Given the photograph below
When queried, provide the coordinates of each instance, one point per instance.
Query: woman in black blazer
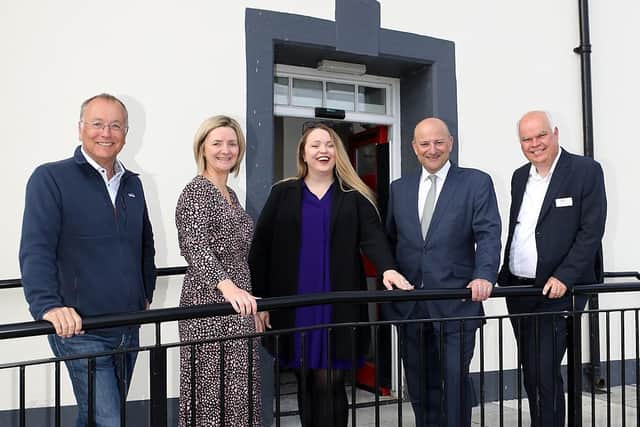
(308, 239)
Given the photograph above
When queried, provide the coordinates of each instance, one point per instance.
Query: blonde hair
(344, 172)
(201, 134)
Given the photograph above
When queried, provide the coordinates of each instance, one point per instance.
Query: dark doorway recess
(424, 65)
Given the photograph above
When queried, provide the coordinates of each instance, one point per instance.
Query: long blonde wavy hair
(344, 171)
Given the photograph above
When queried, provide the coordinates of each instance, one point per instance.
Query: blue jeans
(109, 373)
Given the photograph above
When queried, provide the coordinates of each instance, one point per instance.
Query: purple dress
(314, 277)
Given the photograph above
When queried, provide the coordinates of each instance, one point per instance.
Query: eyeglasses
(113, 127)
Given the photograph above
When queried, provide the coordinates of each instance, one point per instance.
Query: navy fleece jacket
(80, 251)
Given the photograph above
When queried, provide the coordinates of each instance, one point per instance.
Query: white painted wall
(183, 61)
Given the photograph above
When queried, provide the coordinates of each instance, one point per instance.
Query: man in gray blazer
(444, 226)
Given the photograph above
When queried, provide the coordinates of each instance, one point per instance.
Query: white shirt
(523, 255)
(112, 184)
(425, 185)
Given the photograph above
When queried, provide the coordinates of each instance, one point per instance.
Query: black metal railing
(158, 351)
(161, 272)
(174, 271)
(158, 406)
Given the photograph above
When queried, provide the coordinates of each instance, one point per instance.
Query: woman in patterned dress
(215, 233)
(308, 240)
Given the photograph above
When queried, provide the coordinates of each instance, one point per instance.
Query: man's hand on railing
(262, 321)
(391, 278)
(66, 321)
(554, 288)
(242, 301)
(480, 289)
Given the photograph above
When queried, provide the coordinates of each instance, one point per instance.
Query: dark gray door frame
(424, 65)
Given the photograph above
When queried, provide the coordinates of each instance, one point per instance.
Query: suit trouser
(542, 342)
(430, 357)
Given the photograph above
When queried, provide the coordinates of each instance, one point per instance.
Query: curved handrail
(173, 271)
(27, 329)
(160, 272)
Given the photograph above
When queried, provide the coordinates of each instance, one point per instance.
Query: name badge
(564, 202)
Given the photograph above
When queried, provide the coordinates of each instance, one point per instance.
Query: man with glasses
(87, 250)
(556, 224)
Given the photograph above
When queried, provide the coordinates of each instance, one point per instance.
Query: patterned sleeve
(194, 213)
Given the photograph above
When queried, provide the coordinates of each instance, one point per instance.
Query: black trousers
(542, 342)
(322, 398)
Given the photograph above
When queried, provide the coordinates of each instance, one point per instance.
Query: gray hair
(547, 114)
(107, 97)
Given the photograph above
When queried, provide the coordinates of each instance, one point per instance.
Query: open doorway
(368, 147)
(366, 143)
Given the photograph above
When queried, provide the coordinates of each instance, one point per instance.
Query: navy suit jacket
(462, 243)
(568, 238)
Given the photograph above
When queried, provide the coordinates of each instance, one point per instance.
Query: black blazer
(275, 250)
(571, 222)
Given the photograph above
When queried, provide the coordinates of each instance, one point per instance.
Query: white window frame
(392, 102)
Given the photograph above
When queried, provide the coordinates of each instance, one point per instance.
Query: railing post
(91, 391)
(23, 408)
(574, 367)
(158, 386)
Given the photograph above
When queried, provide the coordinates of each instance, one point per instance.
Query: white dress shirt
(523, 255)
(425, 185)
(112, 184)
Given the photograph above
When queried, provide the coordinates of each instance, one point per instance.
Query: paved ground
(388, 414)
(614, 418)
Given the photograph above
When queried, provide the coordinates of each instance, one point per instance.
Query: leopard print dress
(215, 237)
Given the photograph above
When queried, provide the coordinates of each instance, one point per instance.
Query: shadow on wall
(135, 140)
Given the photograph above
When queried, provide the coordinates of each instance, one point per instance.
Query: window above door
(297, 91)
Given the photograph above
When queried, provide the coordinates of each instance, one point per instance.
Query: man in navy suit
(556, 223)
(444, 225)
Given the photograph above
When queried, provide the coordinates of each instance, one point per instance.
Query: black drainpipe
(584, 50)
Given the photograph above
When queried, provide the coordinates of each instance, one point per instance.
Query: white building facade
(479, 65)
